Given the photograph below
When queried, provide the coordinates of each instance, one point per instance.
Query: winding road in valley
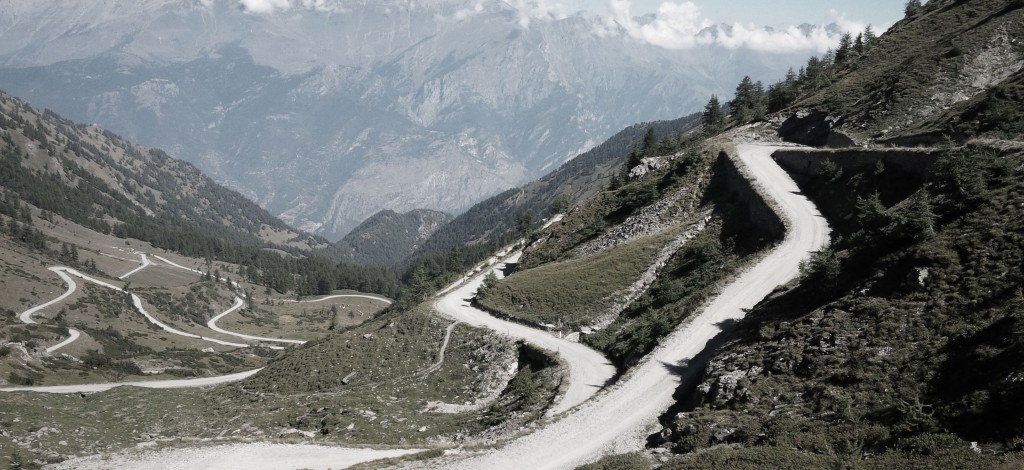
(619, 419)
(67, 275)
(26, 316)
(239, 303)
(340, 296)
(592, 419)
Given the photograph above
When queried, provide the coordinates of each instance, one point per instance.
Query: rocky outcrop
(815, 129)
(648, 165)
(651, 219)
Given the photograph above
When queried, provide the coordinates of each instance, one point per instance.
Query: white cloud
(845, 25)
(538, 9)
(681, 26)
(273, 6)
(265, 6)
(466, 13)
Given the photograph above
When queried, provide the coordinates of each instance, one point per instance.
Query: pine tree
(759, 102)
(871, 213)
(713, 118)
(744, 96)
(912, 7)
(784, 93)
(845, 49)
(749, 103)
(650, 142)
(869, 38)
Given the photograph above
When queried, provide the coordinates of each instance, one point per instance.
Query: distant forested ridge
(96, 179)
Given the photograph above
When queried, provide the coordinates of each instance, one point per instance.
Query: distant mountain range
(326, 114)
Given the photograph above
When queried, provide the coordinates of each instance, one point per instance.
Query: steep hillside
(951, 68)
(92, 294)
(416, 105)
(118, 261)
(388, 238)
(97, 179)
(897, 349)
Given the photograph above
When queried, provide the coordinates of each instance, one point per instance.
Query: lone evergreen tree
(912, 7)
(869, 37)
(714, 118)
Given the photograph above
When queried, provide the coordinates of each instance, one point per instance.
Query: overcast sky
(778, 13)
(678, 24)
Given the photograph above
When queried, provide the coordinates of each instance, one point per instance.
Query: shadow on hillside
(509, 268)
(690, 374)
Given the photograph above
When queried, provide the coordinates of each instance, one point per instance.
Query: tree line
(753, 101)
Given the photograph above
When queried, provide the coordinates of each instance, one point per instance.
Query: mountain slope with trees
(899, 346)
(394, 104)
(94, 178)
(388, 238)
(948, 68)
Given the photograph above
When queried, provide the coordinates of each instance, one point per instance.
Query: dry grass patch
(574, 293)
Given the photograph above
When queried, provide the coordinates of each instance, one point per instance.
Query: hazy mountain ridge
(388, 238)
(326, 117)
(132, 183)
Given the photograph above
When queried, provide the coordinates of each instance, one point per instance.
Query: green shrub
(619, 462)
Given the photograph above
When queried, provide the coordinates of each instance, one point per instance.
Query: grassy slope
(577, 292)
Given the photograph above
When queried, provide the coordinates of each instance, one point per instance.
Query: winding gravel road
(176, 383)
(241, 456)
(145, 264)
(239, 303)
(589, 371)
(620, 419)
(26, 316)
(339, 296)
